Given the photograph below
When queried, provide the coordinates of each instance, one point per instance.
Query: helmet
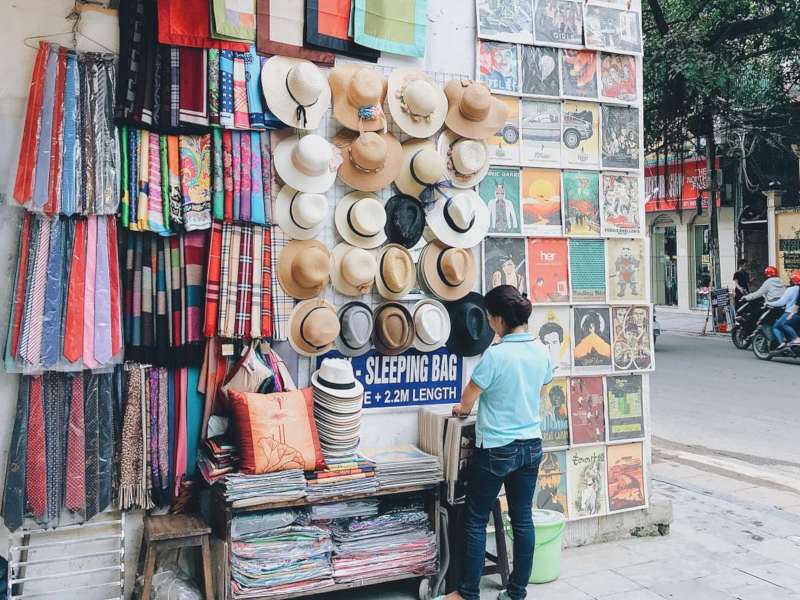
(770, 271)
(795, 278)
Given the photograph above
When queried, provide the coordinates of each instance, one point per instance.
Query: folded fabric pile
(338, 397)
(342, 477)
(345, 510)
(218, 458)
(401, 466)
(249, 490)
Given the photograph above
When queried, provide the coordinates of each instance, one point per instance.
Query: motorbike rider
(782, 330)
(772, 288)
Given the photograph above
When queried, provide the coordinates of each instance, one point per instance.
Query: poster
(633, 348)
(541, 133)
(620, 137)
(504, 145)
(587, 411)
(626, 477)
(540, 72)
(498, 66)
(551, 485)
(500, 191)
(622, 210)
(553, 413)
(587, 482)
(591, 334)
(618, 78)
(625, 398)
(627, 271)
(550, 324)
(541, 202)
(504, 263)
(548, 270)
(558, 22)
(612, 29)
(587, 270)
(581, 203)
(787, 225)
(579, 73)
(581, 135)
(505, 20)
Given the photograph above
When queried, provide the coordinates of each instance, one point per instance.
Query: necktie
(114, 283)
(34, 319)
(14, 489)
(51, 326)
(21, 281)
(41, 186)
(102, 297)
(75, 495)
(70, 114)
(52, 205)
(73, 329)
(28, 151)
(91, 443)
(36, 484)
(89, 286)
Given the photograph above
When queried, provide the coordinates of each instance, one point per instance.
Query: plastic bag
(170, 584)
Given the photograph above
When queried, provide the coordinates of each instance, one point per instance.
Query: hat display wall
(461, 220)
(301, 216)
(423, 167)
(296, 91)
(356, 324)
(304, 267)
(354, 270)
(405, 220)
(417, 105)
(313, 327)
(473, 112)
(358, 95)
(370, 161)
(466, 161)
(360, 220)
(335, 377)
(431, 325)
(470, 332)
(394, 329)
(307, 164)
(447, 273)
(396, 273)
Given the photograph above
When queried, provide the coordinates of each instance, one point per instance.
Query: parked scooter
(746, 321)
(764, 343)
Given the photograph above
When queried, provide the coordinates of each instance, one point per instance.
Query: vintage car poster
(504, 145)
(618, 78)
(581, 200)
(558, 23)
(620, 137)
(541, 133)
(591, 335)
(505, 20)
(551, 485)
(587, 270)
(579, 73)
(504, 263)
(550, 324)
(627, 270)
(540, 72)
(626, 485)
(498, 66)
(633, 344)
(500, 192)
(612, 29)
(541, 202)
(625, 399)
(548, 270)
(580, 135)
(587, 411)
(622, 209)
(587, 488)
(553, 414)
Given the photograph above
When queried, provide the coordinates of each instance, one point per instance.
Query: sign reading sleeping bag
(413, 378)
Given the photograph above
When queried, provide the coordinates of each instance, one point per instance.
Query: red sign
(684, 185)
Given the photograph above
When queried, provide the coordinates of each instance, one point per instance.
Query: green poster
(500, 191)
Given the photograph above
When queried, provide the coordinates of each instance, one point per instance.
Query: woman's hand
(457, 411)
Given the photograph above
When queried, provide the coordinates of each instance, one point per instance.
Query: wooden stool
(163, 532)
(500, 566)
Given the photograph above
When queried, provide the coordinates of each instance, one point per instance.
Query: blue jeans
(783, 330)
(516, 465)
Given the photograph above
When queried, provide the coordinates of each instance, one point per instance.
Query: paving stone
(603, 583)
(683, 590)
(779, 573)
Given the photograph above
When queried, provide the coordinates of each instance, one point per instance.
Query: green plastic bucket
(549, 526)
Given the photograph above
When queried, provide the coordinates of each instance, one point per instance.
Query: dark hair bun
(506, 302)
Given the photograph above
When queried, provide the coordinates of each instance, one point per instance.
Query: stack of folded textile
(345, 510)
(248, 490)
(342, 477)
(217, 459)
(400, 466)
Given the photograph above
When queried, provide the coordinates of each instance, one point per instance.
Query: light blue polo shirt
(510, 376)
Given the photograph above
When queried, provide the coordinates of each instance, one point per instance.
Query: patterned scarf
(133, 488)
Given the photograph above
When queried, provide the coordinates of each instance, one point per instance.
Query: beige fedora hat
(370, 161)
(417, 104)
(431, 325)
(358, 95)
(447, 273)
(361, 219)
(422, 166)
(473, 112)
(354, 270)
(467, 161)
(308, 164)
(301, 216)
(296, 91)
(313, 327)
(304, 267)
(397, 275)
(394, 329)
(460, 220)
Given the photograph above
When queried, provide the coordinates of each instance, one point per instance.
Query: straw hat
(460, 221)
(296, 91)
(417, 105)
(301, 216)
(422, 166)
(360, 219)
(355, 319)
(370, 160)
(396, 273)
(358, 95)
(394, 329)
(431, 325)
(313, 327)
(405, 220)
(467, 161)
(470, 332)
(335, 377)
(354, 270)
(447, 273)
(308, 164)
(304, 267)
(473, 112)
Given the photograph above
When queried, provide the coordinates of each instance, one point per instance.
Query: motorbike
(764, 343)
(745, 324)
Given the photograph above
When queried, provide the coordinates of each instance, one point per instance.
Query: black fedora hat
(470, 332)
(405, 220)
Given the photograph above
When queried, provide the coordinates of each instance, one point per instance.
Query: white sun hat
(360, 220)
(422, 166)
(308, 164)
(417, 104)
(467, 161)
(301, 216)
(296, 91)
(461, 220)
(354, 270)
(431, 325)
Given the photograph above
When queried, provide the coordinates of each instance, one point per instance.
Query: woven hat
(307, 164)
(422, 166)
(417, 105)
(354, 270)
(447, 273)
(396, 273)
(304, 267)
(470, 332)
(313, 327)
(405, 220)
(296, 91)
(370, 160)
(301, 216)
(466, 161)
(358, 95)
(394, 329)
(473, 112)
(360, 219)
(461, 220)
(335, 377)
(356, 322)
(431, 325)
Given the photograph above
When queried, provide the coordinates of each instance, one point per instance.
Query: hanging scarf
(227, 174)
(195, 161)
(133, 485)
(213, 281)
(246, 163)
(174, 176)
(213, 86)
(255, 106)
(217, 176)
(257, 195)
(244, 287)
(241, 118)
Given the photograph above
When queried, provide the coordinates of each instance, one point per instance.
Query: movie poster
(633, 347)
(587, 270)
(581, 199)
(541, 202)
(618, 78)
(505, 20)
(548, 270)
(622, 210)
(580, 135)
(612, 29)
(579, 73)
(550, 324)
(540, 71)
(558, 23)
(553, 414)
(498, 66)
(625, 398)
(541, 133)
(500, 192)
(587, 482)
(587, 411)
(627, 270)
(591, 335)
(551, 485)
(504, 263)
(626, 477)
(504, 145)
(620, 137)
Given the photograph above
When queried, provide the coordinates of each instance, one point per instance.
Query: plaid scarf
(282, 303)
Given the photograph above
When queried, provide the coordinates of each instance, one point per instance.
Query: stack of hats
(338, 398)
